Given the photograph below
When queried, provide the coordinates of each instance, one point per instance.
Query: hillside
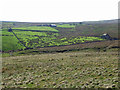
(78, 69)
(60, 55)
(28, 35)
(115, 21)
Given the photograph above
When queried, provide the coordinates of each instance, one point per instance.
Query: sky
(58, 10)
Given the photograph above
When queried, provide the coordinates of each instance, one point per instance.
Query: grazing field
(67, 55)
(98, 29)
(80, 69)
(33, 39)
(42, 28)
(11, 43)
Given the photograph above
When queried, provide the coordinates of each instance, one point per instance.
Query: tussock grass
(62, 70)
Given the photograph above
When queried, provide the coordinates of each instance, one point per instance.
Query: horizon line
(57, 21)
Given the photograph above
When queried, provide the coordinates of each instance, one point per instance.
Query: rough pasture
(78, 69)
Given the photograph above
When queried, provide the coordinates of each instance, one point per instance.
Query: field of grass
(11, 43)
(65, 34)
(67, 56)
(96, 46)
(5, 33)
(80, 69)
(41, 28)
(97, 29)
(39, 39)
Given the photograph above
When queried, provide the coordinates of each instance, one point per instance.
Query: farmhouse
(53, 25)
(106, 36)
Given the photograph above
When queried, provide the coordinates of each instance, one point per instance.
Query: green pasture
(41, 28)
(11, 43)
(38, 39)
(17, 32)
(4, 32)
(52, 40)
(83, 39)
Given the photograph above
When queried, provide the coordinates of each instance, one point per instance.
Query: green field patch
(35, 39)
(39, 39)
(84, 39)
(41, 28)
(5, 32)
(63, 39)
(17, 32)
(11, 43)
(66, 26)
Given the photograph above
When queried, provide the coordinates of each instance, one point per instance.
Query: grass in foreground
(62, 70)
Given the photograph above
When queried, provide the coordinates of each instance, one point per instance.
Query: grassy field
(11, 43)
(96, 46)
(35, 39)
(42, 28)
(78, 69)
(98, 29)
(67, 56)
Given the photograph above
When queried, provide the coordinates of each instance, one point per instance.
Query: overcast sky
(58, 10)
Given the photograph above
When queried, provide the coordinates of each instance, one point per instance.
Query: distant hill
(85, 22)
(101, 22)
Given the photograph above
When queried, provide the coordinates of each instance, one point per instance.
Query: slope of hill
(36, 35)
(115, 21)
(80, 69)
(70, 55)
